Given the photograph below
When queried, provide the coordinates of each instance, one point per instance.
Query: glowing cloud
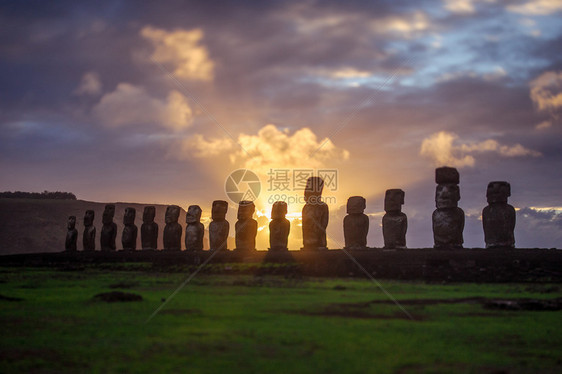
(440, 148)
(183, 50)
(89, 85)
(537, 7)
(546, 91)
(132, 105)
(270, 148)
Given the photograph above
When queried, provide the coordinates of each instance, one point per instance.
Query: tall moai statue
(149, 228)
(108, 229)
(246, 228)
(394, 222)
(129, 237)
(219, 227)
(448, 218)
(89, 236)
(498, 218)
(356, 223)
(315, 215)
(71, 235)
(172, 230)
(194, 231)
(279, 227)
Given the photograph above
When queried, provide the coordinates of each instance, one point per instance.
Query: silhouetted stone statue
(279, 227)
(394, 222)
(315, 216)
(129, 237)
(246, 228)
(71, 235)
(219, 227)
(172, 230)
(194, 231)
(109, 229)
(355, 224)
(89, 236)
(448, 218)
(498, 218)
(149, 229)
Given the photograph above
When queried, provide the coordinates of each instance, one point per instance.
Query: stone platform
(427, 264)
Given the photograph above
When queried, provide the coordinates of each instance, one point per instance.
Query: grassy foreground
(244, 324)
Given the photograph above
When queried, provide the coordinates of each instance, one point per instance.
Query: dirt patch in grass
(524, 304)
(10, 298)
(117, 296)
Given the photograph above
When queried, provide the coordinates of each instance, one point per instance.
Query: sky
(159, 102)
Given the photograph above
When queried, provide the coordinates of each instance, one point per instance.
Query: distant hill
(37, 225)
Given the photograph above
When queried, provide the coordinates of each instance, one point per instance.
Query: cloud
(543, 125)
(546, 91)
(537, 7)
(132, 105)
(183, 50)
(405, 26)
(89, 85)
(440, 148)
(271, 147)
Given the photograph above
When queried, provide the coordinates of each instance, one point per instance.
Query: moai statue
(129, 237)
(149, 229)
(394, 222)
(448, 218)
(89, 236)
(71, 235)
(314, 215)
(246, 228)
(219, 227)
(194, 231)
(279, 227)
(109, 229)
(172, 230)
(498, 218)
(355, 224)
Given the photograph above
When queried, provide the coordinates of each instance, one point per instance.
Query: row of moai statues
(149, 230)
(448, 222)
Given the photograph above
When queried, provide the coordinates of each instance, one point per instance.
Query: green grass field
(246, 324)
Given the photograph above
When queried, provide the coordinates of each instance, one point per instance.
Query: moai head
(356, 205)
(108, 214)
(246, 210)
(89, 218)
(278, 210)
(71, 222)
(129, 217)
(313, 189)
(148, 214)
(447, 195)
(446, 175)
(172, 214)
(498, 192)
(219, 209)
(393, 200)
(193, 214)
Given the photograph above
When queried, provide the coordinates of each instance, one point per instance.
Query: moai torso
(129, 237)
(315, 216)
(498, 218)
(448, 218)
(172, 230)
(279, 227)
(194, 231)
(89, 235)
(149, 229)
(356, 223)
(246, 228)
(394, 222)
(219, 227)
(71, 235)
(108, 229)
